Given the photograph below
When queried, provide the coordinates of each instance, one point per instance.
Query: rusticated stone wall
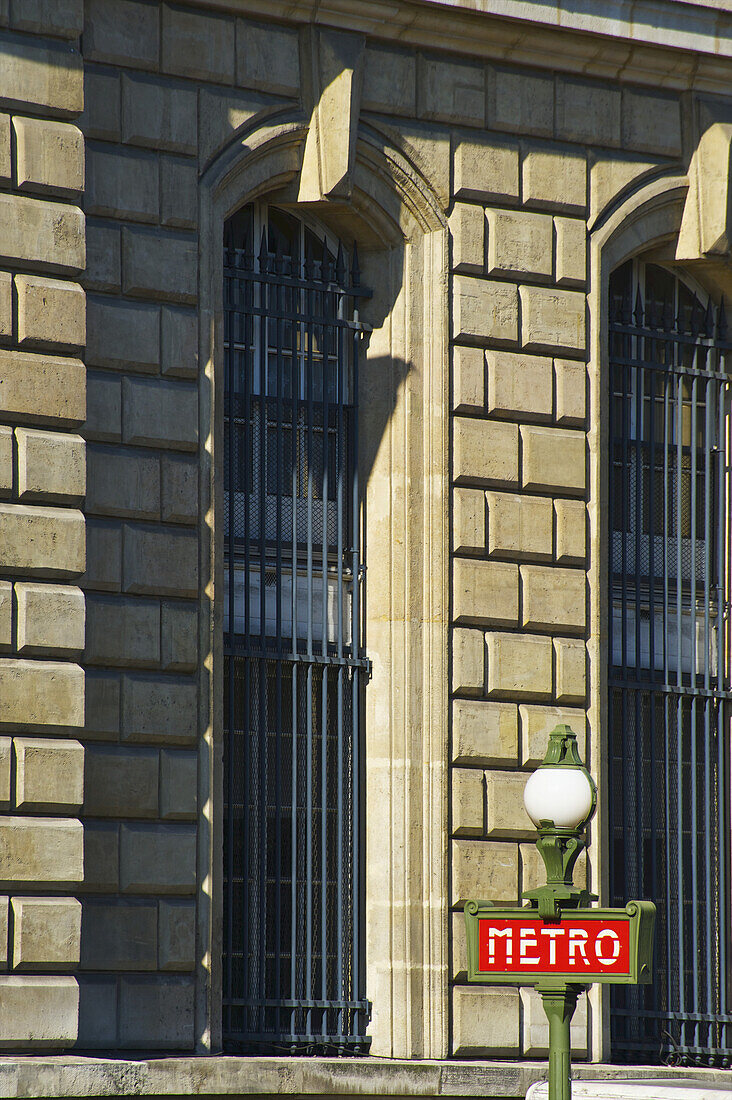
(138, 946)
(160, 103)
(100, 524)
(42, 536)
(544, 157)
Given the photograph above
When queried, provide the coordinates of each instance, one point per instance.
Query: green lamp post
(560, 798)
(558, 941)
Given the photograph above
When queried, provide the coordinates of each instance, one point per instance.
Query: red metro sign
(518, 947)
(583, 948)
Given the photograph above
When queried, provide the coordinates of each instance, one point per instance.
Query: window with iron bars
(669, 600)
(293, 966)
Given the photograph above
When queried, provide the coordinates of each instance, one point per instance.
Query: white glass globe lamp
(560, 794)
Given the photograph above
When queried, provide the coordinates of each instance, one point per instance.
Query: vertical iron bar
(298, 341)
(263, 730)
(708, 908)
(263, 396)
(612, 496)
(326, 336)
(294, 915)
(693, 830)
(341, 367)
(638, 553)
(247, 731)
(230, 727)
(679, 687)
(723, 611)
(355, 710)
(324, 842)
(297, 331)
(281, 308)
(651, 887)
(626, 406)
(625, 535)
(650, 375)
(310, 730)
(666, 680)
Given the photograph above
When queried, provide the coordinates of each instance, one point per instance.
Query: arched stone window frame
(644, 223)
(398, 222)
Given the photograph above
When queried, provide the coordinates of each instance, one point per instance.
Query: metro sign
(579, 947)
(584, 946)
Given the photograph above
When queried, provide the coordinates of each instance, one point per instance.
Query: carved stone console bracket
(706, 226)
(333, 63)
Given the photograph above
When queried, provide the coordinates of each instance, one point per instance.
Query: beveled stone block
(485, 452)
(485, 1021)
(555, 177)
(553, 599)
(38, 1011)
(484, 870)
(570, 660)
(41, 693)
(50, 619)
(157, 859)
(519, 666)
(571, 525)
(468, 521)
(519, 386)
(49, 157)
(552, 319)
(486, 169)
(504, 800)
(519, 243)
(468, 802)
(468, 661)
(51, 466)
(484, 733)
(484, 310)
(537, 723)
(40, 850)
(553, 459)
(485, 593)
(46, 933)
(51, 312)
(519, 526)
(49, 774)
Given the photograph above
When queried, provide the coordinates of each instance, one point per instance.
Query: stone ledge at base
(64, 1076)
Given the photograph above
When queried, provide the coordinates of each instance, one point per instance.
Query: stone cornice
(699, 27)
(665, 43)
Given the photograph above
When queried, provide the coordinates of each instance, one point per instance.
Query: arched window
(669, 572)
(293, 936)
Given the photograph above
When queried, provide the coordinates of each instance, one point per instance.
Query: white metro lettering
(527, 939)
(552, 934)
(504, 934)
(614, 945)
(578, 943)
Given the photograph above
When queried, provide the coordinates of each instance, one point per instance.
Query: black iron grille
(669, 685)
(293, 877)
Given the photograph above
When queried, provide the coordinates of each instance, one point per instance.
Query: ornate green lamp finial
(560, 798)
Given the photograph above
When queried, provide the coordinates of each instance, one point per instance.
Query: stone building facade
(494, 163)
